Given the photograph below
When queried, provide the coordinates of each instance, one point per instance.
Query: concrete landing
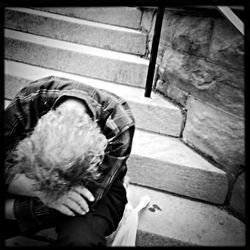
(173, 221)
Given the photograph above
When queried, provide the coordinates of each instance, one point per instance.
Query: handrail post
(154, 50)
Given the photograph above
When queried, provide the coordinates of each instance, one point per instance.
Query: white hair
(65, 149)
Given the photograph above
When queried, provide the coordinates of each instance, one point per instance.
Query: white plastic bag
(125, 234)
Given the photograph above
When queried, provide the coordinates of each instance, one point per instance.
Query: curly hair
(65, 149)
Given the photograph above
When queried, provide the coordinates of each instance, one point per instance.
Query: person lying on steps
(66, 147)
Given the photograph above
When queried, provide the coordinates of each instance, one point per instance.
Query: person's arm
(73, 201)
(119, 150)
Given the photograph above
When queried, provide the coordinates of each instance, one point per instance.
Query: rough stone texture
(120, 16)
(170, 90)
(190, 34)
(77, 59)
(227, 45)
(184, 221)
(167, 164)
(68, 29)
(238, 198)
(209, 82)
(147, 26)
(216, 133)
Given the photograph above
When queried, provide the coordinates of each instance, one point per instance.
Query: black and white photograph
(124, 125)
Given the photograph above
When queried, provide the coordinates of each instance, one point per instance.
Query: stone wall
(201, 67)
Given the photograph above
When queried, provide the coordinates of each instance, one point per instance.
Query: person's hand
(73, 202)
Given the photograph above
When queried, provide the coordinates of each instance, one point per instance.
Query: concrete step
(173, 221)
(76, 30)
(168, 164)
(158, 161)
(152, 114)
(170, 221)
(129, 17)
(74, 58)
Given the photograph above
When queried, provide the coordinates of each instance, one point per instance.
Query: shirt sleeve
(115, 160)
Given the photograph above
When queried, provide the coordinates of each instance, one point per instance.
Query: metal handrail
(154, 51)
(232, 17)
(228, 13)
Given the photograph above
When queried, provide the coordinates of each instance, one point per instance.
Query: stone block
(170, 90)
(238, 198)
(227, 45)
(218, 134)
(204, 80)
(187, 33)
(191, 34)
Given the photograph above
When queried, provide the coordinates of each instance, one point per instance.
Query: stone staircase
(105, 48)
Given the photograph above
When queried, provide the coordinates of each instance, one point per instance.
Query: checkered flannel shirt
(111, 112)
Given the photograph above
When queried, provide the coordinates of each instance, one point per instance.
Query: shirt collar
(73, 93)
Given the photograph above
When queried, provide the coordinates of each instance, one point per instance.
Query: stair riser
(157, 119)
(81, 33)
(178, 179)
(76, 62)
(125, 17)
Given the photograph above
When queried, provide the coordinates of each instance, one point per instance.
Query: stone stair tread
(167, 116)
(178, 221)
(32, 73)
(77, 59)
(74, 47)
(76, 30)
(121, 16)
(166, 163)
(169, 149)
(73, 19)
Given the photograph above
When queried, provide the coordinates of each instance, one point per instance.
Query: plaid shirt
(111, 112)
